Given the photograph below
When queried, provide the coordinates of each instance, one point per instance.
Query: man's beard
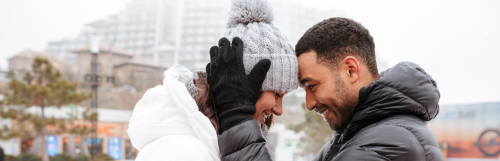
(343, 102)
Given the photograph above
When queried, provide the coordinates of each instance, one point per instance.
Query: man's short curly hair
(335, 38)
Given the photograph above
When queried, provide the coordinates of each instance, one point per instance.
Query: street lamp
(94, 80)
(94, 35)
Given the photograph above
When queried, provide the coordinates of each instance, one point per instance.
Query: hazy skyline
(454, 41)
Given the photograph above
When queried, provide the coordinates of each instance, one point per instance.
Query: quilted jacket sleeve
(244, 142)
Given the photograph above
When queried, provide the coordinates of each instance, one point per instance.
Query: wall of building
(140, 76)
(106, 63)
(20, 64)
(458, 129)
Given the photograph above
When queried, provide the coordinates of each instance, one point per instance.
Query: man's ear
(351, 68)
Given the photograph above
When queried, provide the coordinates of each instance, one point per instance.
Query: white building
(64, 47)
(181, 31)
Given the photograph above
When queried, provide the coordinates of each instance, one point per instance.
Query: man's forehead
(308, 56)
(307, 64)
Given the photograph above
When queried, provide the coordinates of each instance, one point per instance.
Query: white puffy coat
(166, 123)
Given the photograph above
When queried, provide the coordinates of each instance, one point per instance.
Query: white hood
(170, 110)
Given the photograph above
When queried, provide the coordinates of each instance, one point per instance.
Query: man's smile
(323, 111)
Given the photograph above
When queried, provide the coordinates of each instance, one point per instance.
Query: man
(375, 117)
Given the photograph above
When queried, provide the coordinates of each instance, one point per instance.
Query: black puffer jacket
(244, 142)
(388, 120)
(388, 123)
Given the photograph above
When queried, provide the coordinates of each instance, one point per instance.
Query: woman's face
(268, 103)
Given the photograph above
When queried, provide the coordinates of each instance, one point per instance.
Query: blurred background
(456, 42)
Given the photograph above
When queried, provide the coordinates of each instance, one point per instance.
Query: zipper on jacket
(334, 148)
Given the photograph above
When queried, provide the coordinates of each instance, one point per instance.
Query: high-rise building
(64, 47)
(180, 31)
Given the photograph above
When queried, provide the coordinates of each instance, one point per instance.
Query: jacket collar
(404, 89)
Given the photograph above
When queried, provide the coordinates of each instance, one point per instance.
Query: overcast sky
(456, 42)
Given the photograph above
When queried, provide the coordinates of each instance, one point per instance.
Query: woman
(168, 124)
(178, 119)
(181, 119)
(243, 74)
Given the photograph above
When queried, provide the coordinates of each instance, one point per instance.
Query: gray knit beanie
(191, 88)
(251, 20)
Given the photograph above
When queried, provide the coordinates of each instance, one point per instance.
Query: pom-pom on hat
(248, 11)
(251, 21)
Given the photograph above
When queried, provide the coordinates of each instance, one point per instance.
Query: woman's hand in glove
(235, 93)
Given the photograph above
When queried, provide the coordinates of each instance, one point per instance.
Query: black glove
(235, 93)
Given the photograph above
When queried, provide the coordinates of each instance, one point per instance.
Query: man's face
(326, 91)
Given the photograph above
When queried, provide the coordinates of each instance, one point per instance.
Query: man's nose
(311, 102)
